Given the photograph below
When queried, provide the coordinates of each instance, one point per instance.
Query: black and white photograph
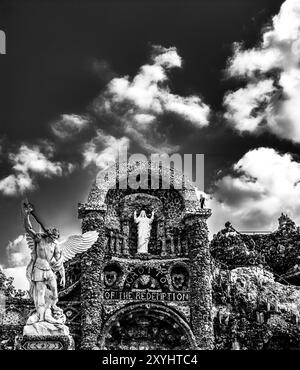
(149, 178)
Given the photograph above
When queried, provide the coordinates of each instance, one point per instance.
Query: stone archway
(146, 326)
(108, 179)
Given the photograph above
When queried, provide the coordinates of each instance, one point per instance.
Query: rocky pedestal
(44, 328)
(44, 335)
(44, 342)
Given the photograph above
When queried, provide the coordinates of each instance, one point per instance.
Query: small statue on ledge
(47, 259)
(286, 224)
(144, 230)
(202, 201)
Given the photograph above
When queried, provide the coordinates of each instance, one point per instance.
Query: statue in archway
(144, 230)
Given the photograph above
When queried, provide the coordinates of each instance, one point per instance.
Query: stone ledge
(49, 342)
(201, 212)
(85, 208)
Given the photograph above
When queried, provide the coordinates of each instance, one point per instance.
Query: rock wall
(278, 251)
(253, 311)
(256, 291)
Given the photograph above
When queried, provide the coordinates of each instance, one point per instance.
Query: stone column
(111, 242)
(125, 230)
(161, 237)
(179, 249)
(91, 282)
(200, 278)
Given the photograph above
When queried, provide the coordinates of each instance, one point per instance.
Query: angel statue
(47, 261)
(144, 229)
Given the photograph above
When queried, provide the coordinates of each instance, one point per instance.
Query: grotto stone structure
(240, 291)
(156, 300)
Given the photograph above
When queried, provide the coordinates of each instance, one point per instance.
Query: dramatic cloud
(263, 184)
(271, 97)
(69, 125)
(16, 184)
(103, 150)
(136, 108)
(139, 104)
(19, 275)
(27, 164)
(18, 257)
(248, 107)
(18, 252)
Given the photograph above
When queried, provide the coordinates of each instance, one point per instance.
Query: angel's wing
(77, 244)
(30, 241)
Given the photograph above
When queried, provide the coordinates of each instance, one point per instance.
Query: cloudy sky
(82, 79)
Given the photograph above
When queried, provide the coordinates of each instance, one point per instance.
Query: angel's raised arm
(152, 216)
(27, 224)
(135, 217)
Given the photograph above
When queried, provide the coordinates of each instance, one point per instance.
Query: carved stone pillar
(200, 278)
(117, 244)
(161, 237)
(111, 242)
(91, 284)
(121, 244)
(125, 230)
(171, 244)
(184, 245)
(170, 241)
(179, 250)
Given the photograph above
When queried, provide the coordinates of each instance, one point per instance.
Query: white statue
(47, 258)
(144, 229)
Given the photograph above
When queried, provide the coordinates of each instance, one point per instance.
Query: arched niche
(170, 206)
(146, 326)
(117, 173)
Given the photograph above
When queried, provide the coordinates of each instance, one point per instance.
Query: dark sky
(49, 70)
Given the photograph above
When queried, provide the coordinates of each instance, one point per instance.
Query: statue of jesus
(144, 229)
